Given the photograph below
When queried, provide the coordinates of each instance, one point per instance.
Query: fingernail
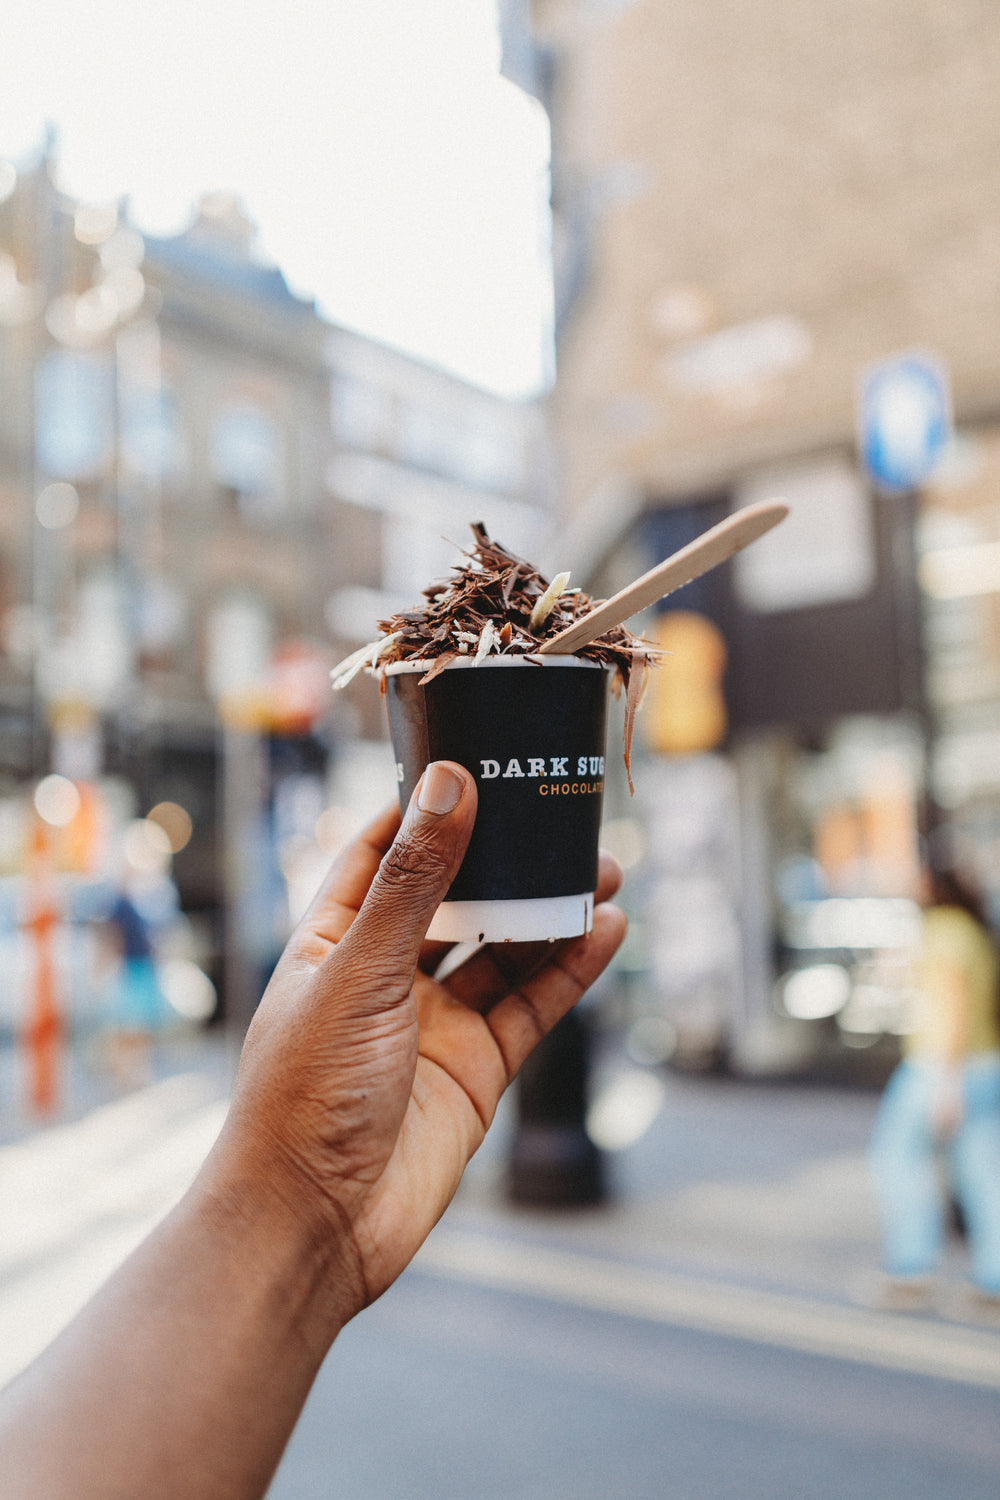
(440, 789)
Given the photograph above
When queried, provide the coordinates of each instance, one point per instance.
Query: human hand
(365, 1085)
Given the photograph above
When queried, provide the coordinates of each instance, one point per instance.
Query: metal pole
(553, 1161)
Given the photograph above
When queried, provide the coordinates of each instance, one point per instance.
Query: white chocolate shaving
(546, 604)
(365, 656)
(489, 640)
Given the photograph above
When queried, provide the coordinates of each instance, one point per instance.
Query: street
(699, 1335)
(456, 1393)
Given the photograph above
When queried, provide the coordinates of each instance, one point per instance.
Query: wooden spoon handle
(705, 552)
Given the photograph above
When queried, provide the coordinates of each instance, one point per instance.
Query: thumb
(415, 874)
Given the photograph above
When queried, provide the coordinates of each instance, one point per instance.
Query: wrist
(277, 1238)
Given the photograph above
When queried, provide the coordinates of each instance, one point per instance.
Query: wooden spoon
(704, 553)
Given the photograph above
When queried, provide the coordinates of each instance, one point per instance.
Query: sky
(393, 174)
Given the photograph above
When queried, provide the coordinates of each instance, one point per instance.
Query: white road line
(948, 1352)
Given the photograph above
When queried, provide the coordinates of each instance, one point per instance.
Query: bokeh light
(146, 846)
(817, 992)
(57, 506)
(57, 800)
(94, 222)
(188, 989)
(175, 822)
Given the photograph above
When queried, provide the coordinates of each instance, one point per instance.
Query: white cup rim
(424, 664)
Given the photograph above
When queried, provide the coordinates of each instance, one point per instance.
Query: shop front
(786, 785)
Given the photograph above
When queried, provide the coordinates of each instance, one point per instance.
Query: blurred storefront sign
(856, 653)
(823, 552)
(685, 709)
(904, 419)
(820, 618)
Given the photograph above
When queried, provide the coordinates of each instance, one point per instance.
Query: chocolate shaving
(438, 667)
(497, 586)
(509, 582)
(633, 697)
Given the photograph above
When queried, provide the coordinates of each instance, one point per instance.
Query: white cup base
(547, 918)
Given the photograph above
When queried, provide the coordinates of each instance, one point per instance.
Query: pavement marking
(945, 1351)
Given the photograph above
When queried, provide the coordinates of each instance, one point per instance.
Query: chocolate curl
(509, 581)
(438, 667)
(633, 697)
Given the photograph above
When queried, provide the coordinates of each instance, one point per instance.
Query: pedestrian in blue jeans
(938, 1124)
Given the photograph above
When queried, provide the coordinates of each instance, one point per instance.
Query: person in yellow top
(943, 1100)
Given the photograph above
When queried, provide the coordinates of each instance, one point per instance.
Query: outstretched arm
(363, 1090)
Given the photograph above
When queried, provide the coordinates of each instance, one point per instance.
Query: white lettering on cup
(513, 768)
(491, 769)
(399, 771)
(536, 767)
(558, 764)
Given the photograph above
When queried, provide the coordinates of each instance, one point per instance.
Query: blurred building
(755, 203)
(208, 495)
(415, 457)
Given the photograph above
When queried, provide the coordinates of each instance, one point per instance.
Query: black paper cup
(532, 732)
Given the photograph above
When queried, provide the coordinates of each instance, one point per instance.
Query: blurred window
(161, 619)
(91, 659)
(246, 452)
(238, 645)
(476, 452)
(414, 554)
(360, 413)
(490, 455)
(152, 442)
(74, 424)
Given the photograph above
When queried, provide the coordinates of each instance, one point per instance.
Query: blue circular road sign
(904, 420)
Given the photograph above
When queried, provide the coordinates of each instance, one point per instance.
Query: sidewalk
(85, 1083)
(79, 1195)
